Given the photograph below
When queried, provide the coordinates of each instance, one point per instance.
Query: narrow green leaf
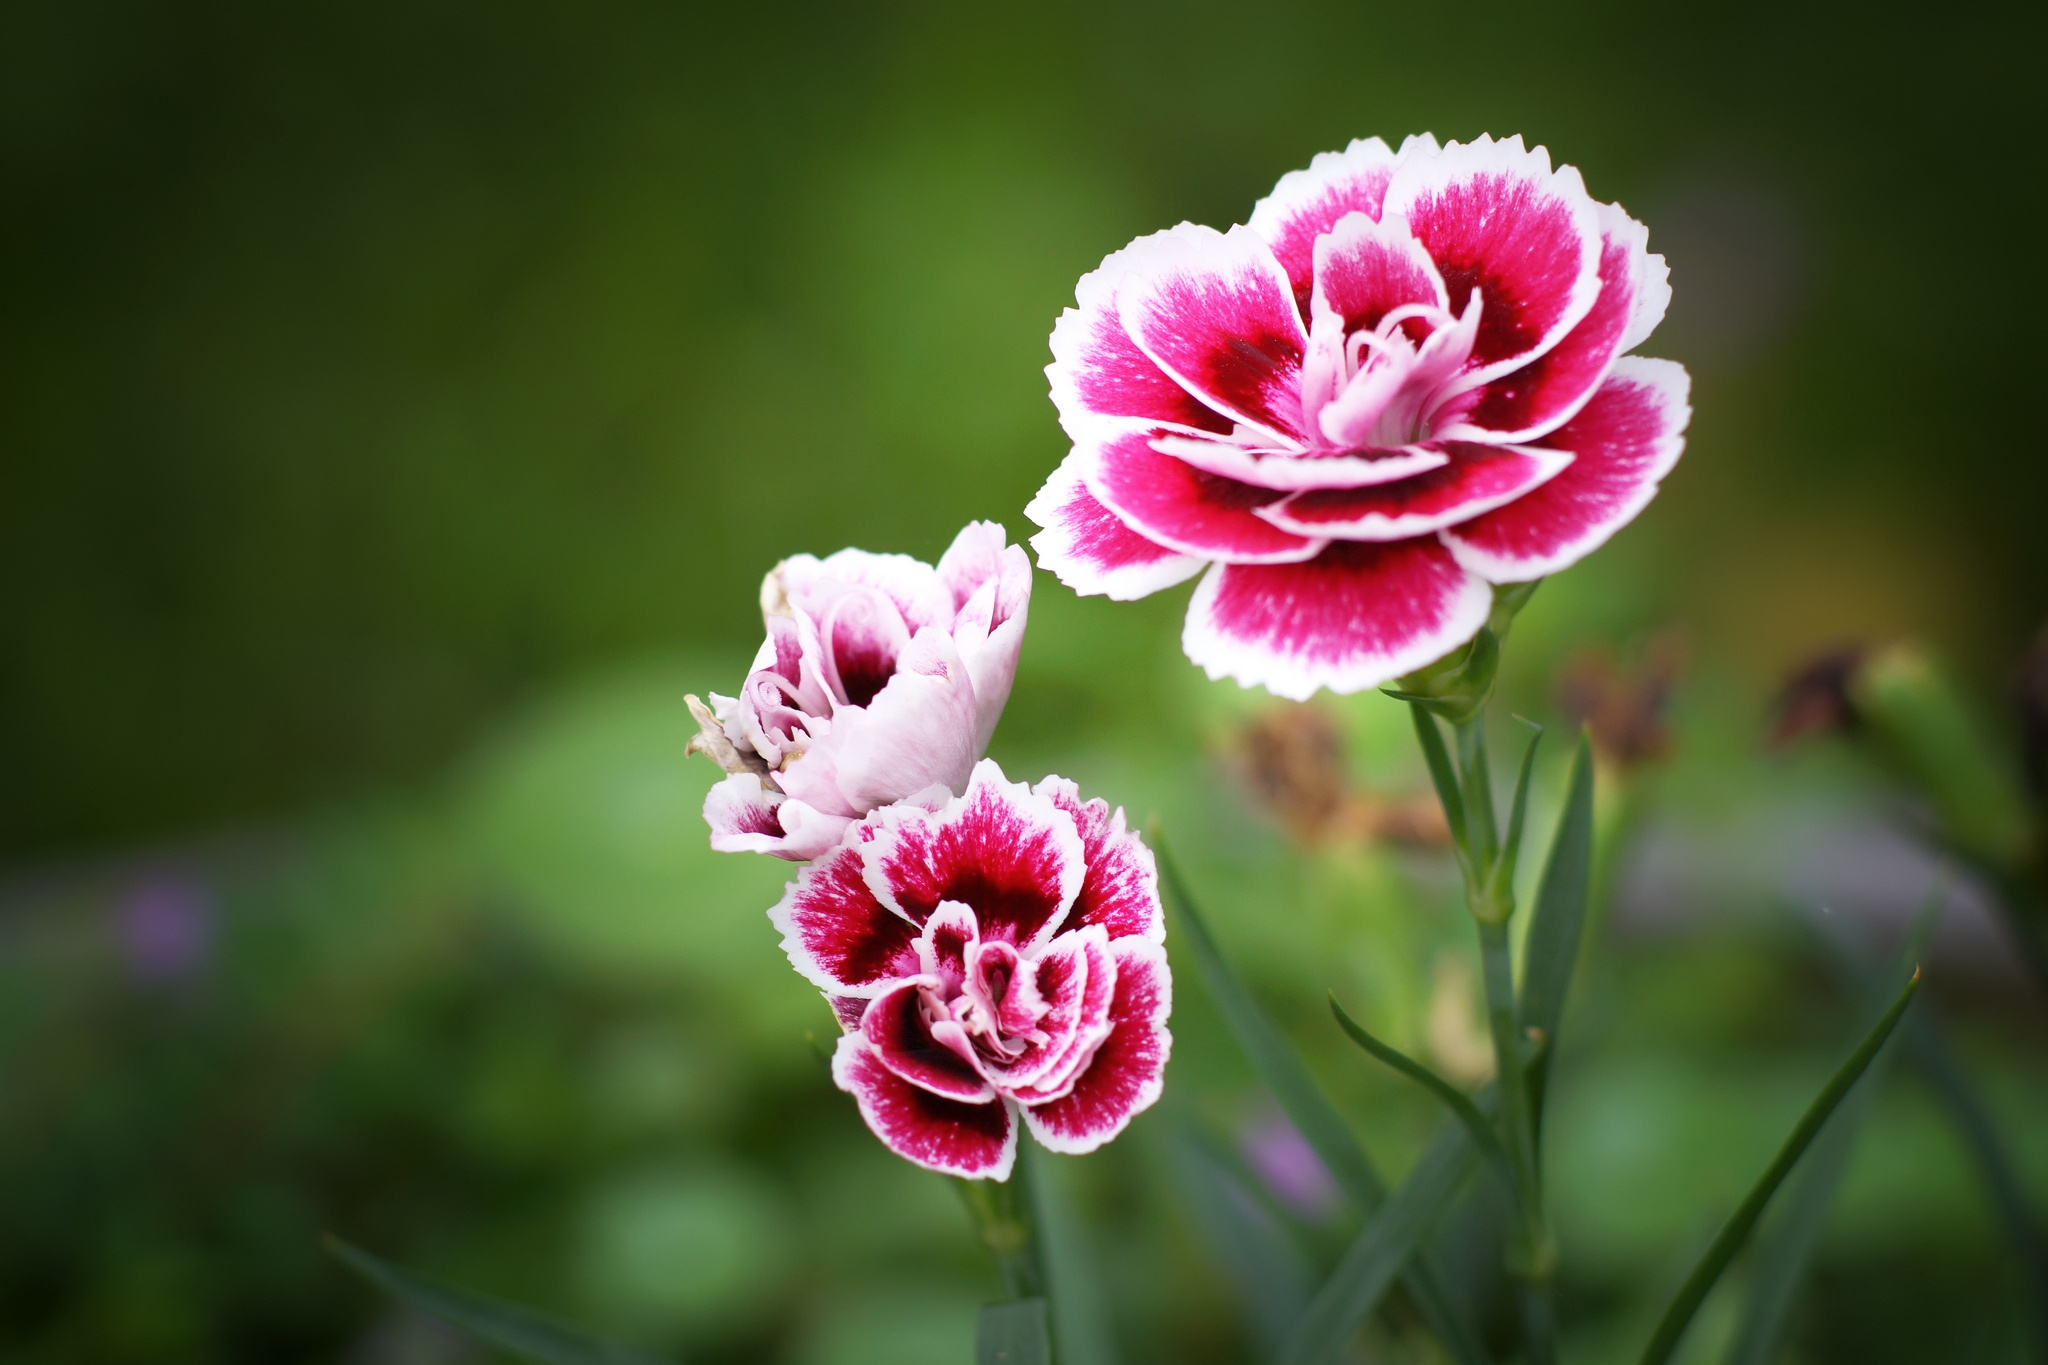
(1511, 847)
(1694, 1292)
(1928, 1050)
(1275, 1061)
(1262, 1263)
(1281, 1069)
(1483, 1136)
(1080, 1315)
(1015, 1332)
(1551, 949)
(1441, 773)
(1376, 1256)
(523, 1332)
(1782, 1257)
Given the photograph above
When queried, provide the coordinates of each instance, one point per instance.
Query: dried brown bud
(1818, 699)
(1294, 760)
(1624, 705)
(1294, 764)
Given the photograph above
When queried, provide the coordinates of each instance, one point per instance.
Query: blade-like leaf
(1080, 1316)
(1283, 1073)
(1271, 1056)
(1928, 1050)
(1376, 1257)
(1694, 1292)
(1262, 1263)
(1551, 949)
(523, 1332)
(1013, 1333)
(1781, 1259)
(1511, 847)
(1483, 1136)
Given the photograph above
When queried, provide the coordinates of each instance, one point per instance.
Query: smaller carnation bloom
(881, 677)
(996, 960)
(1405, 381)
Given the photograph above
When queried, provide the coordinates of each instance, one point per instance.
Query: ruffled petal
(1357, 615)
(1077, 977)
(1366, 269)
(1009, 853)
(1087, 547)
(1121, 889)
(978, 1141)
(1098, 371)
(1495, 217)
(1624, 442)
(1290, 471)
(838, 936)
(1169, 501)
(1306, 204)
(895, 1028)
(1478, 479)
(1215, 311)
(1128, 1071)
(1531, 401)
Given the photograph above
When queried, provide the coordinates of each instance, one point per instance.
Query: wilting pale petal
(1128, 1070)
(1478, 479)
(1357, 615)
(978, 1141)
(742, 815)
(1623, 443)
(919, 730)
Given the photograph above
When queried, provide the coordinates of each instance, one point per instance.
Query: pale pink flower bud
(881, 677)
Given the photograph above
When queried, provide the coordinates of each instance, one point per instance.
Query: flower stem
(1533, 1251)
(1002, 1212)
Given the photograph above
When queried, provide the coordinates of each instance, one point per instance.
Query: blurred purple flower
(1289, 1166)
(166, 929)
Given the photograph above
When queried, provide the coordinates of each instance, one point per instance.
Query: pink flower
(881, 677)
(994, 956)
(1404, 382)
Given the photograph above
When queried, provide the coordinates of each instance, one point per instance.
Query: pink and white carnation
(996, 959)
(1406, 380)
(881, 677)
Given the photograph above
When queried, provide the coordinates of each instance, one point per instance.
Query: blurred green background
(400, 403)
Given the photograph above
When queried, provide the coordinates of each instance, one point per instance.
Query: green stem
(1002, 1212)
(1534, 1258)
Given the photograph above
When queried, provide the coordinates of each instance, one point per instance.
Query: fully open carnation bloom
(994, 956)
(1406, 380)
(881, 677)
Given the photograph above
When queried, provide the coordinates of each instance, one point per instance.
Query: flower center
(1378, 388)
(997, 1002)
